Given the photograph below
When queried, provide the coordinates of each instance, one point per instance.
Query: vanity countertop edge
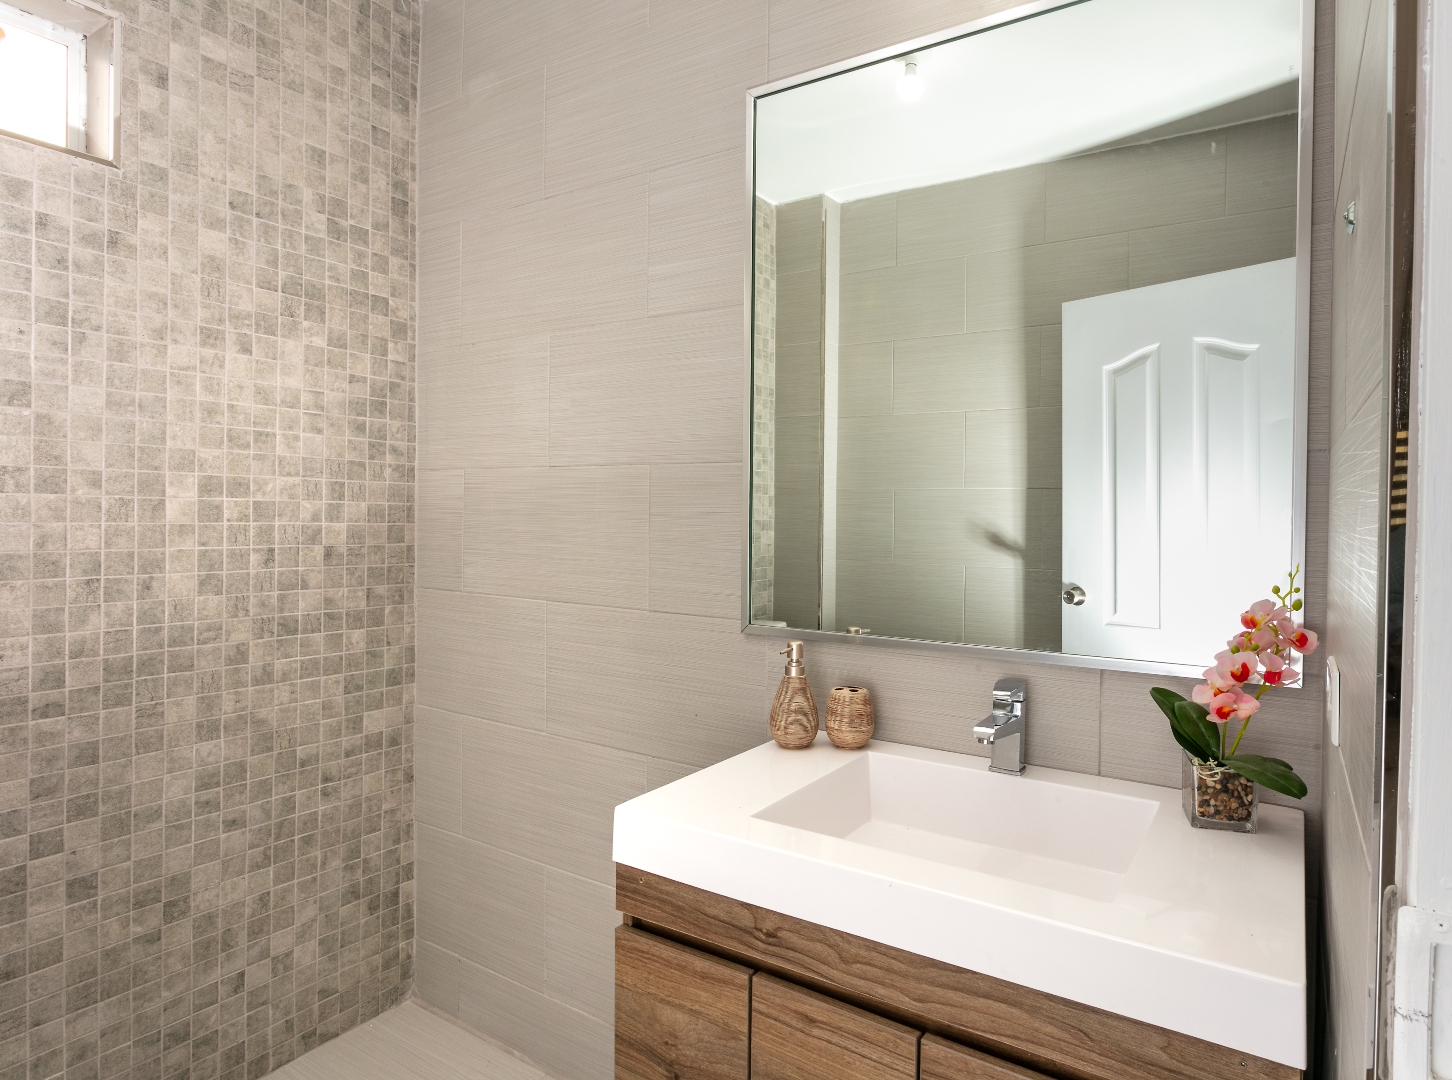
(702, 831)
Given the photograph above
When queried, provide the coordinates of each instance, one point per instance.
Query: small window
(58, 75)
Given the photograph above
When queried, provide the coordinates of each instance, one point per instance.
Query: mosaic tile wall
(763, 413)
(206, 550)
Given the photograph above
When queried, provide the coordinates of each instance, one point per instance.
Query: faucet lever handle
(1009, 690)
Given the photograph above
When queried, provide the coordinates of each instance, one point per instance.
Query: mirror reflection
(1024, 333)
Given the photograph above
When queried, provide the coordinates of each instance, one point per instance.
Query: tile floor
(408, 1043)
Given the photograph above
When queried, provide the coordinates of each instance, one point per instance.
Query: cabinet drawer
(680, 1014)
(944, 1060)
(800, 1035)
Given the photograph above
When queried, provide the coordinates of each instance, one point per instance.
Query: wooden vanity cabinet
(944, 1060)
(709, 988)
(797, 1034)
(680, 1014)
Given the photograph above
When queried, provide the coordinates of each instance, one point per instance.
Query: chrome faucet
(1003, 728)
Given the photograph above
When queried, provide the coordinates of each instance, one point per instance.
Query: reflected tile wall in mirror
(917, 465)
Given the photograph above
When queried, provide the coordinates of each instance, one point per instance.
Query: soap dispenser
(794, 710)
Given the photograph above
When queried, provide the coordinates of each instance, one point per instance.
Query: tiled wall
(582, 406)
(798, 488)
(1357, 423)
(763, 412)
(206, 599)
(949, 485)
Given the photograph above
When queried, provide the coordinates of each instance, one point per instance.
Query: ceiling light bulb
(910, 86)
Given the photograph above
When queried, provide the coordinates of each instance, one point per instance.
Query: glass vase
(1217, 798)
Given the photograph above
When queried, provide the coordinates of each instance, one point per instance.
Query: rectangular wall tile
(659, 772)
(924, 451)
(580, 922)
(665, 389)
(799, 380)
(798, 305)
(565, 1041)
(440, 515)
(695, 539)
(436, 977)
(966, 372)
(597, 547)
(1260, 166)
(865, 379)
(697, 244)
(662, 685)
(572, 534)
(440, 64)
(1072, 270)
(485, 149)
(482, 656)
(925, 298)
(546, 798)
(1135, 187)
(799, 236)
(995, 212)
(438, 743)
(869, 234)
(503, 531)
(1208, 247)
(485, 404)
(573, 259)
(499, 40)
(655, 97)
(899, 599)
(482, 904)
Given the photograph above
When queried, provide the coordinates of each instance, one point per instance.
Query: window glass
(32, 85)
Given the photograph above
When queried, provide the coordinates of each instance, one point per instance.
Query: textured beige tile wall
(583, 255)
(1359, 437)
(205, 700)
(938, 537)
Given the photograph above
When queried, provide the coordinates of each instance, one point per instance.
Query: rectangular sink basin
(1088, 888)
(1075, 840)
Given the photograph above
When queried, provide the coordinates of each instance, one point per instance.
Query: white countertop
(1195, 931)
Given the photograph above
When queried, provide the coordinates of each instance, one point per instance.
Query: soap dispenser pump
(794, 710)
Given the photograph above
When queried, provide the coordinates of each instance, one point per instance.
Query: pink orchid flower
(1220, 680)
(1246, 706)
(1239, 666)
(1302, 640)
(1264, 638)
(1222, 707)
(1254, 617)
(1241, 643)
(1274, 669)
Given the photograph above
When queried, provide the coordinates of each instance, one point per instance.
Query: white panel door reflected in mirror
(1177, 459)
(958, 266)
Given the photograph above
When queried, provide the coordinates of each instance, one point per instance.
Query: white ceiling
(1032, 91)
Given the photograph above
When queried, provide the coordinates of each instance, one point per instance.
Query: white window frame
(92, 36)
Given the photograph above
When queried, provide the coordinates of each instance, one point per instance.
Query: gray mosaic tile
(206, 550)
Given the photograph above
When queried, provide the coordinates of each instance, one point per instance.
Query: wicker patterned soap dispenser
(794, 710)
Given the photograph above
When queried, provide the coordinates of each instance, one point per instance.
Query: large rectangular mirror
(1028, 332)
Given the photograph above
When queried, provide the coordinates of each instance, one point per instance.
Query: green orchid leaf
(1270, 773)
(1166, 700)
(1194, 749)
(1194, 719)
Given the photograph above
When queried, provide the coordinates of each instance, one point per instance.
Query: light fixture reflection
(910, 86)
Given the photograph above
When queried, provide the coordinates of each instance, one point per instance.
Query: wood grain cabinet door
(680, 1014)
(944, 1060)
(800, 1035)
